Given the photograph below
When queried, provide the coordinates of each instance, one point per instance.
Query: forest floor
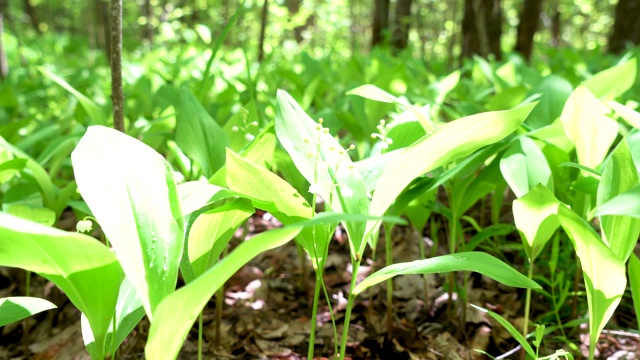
(268, 308)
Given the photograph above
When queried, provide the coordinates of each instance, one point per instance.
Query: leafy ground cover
(471, 206)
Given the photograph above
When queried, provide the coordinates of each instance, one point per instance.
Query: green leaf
(604, 273)
(619, 232)
(480, 262)
(322, 161)
(177, 312)
(587, 125)
(131, 192)
(614, 81)
(374, 93)
(212, 230)
(94, 112)
(449, 142)
(73, 262)
(40, 215)
(198, 135)
(535, 217)
(629, 115)
(634, 283)
(16, 308)
(269, 192)
(372, 167)
(524, 166)
(554, 91)
(627, 203)
(196, 194)
(511, 329)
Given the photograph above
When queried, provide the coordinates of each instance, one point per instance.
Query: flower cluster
(382, 133)
(246, 128)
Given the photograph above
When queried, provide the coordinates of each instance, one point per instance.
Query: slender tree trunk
(117, 95)
(147, 12)
(263, 29)
(626, 28)
(481, 28)
(402, 23)
(4, 65)
(31, 11)
(380, 27)
(104, 28)
(555, 28)
(529, 19)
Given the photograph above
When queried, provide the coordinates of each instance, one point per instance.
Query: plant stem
(219, 305)
(388, 261)
(314, 315)
(347, 316)
(117, 94)
(527, 304)
(453, 242)
(200, 336)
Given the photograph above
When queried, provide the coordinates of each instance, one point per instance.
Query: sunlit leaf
(524, 166)
(612, 82)
(480, 262)
(130, 190)
(176, 313)
(16, 308)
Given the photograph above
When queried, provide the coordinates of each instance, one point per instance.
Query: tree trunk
(481, 28)
(147, 12)
(31, 12)
(4, 65)
(402, 22)
(529, 18)
(104, 29)
(380, 22)
(626, 28)
(263, 29)
(117, 94)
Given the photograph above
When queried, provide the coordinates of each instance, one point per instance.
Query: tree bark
(117, 95)
(626, 28)
(263, 29)
(147, 12)
(529, 19)
(481, 28)
(31, 11)
(380, 27)
(402, 23)
(4, 65)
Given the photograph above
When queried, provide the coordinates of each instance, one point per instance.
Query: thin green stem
(314, 315)
(333, 318)
(200, 336)
(527, 304)
(347, 316)
(453, 242)
(388, 261)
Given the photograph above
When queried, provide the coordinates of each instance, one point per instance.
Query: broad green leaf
(131, 192)
(587, 125)
(372, 167)
(634, 283)
(94, 112)
(554, 92)
(129, 312)
(511, 329)
(535, 217)
(524, 166)
(198, 135)
(177, 312)
(620, 233)
(604, 273)
(73, 261)
(374, 93)
(322, 161)
(614, 81)
(196, 194)
(44, 216)
(212, 230)
(40, 176)
(449, 142)
(629, 115)
(480, 262)
(627, 203)
(269, 192)
(16, 308)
